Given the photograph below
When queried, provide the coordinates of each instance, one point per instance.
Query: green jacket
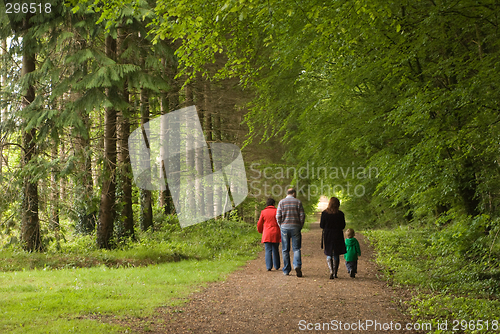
(353, 250)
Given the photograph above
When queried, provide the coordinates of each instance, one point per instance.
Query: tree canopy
(406, 87)
(392, 105)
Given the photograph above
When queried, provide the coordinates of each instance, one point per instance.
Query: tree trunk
(86, 211)
(62, 180)
(54, 193)
(30, 225)
(99, 148)
(199, 154)
(175, 149)
(190, 158)
(166, 201)
(207, 122)
(3, 50)
(125, 172)
(107, 208)
(146, 202)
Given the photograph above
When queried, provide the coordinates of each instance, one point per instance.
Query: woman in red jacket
(271, 234)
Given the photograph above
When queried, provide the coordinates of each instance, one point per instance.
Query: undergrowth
(167, 243)
(454, 270)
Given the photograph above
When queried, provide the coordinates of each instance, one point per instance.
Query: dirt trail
(254, 300)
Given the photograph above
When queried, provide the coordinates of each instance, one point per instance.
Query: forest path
(254, 300)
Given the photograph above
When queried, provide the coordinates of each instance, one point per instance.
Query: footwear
(268, 269)
(299, 272)
(336, 268)
(329, 262)
(353, 275)
(286, 274)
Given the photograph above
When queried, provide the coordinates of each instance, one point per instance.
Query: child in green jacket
(353, 251)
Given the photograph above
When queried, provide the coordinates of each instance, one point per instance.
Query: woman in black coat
(333, 223)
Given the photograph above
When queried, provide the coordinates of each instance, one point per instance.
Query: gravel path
(254, 300)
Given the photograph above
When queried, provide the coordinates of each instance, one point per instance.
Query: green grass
(78, 287)
(170, 243)
(55, 301)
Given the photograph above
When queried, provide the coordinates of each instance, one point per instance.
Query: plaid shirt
(290, 212)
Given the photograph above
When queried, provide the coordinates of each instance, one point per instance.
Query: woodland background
(407, 87)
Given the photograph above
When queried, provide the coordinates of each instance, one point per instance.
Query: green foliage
(469, 314)
(454, 268)
(214, 239)
(407, 88)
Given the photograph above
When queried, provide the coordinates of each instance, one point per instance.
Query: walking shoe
(329, 262)
(299, 272)
(286, 274)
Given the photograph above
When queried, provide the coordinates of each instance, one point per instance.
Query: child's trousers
(352, 267)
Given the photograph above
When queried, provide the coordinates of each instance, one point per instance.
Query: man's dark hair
(270, 201)
(290, 191)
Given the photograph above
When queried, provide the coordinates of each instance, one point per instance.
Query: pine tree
(107, 210)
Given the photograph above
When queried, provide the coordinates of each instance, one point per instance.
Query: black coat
(333, 232)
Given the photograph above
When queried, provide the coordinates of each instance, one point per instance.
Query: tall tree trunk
(174, 147)
(86, 210)
(62, 180)
(30, 225)
(99, 149)
(107, 208)
(190, 158)
(125, 171)
(207, 123)
(199, 154)
(217, 126)
(166, 201)
(219, 190)
(54, 193)
(3, 50)
(146, 201)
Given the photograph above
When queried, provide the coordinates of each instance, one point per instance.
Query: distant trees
(66, 118)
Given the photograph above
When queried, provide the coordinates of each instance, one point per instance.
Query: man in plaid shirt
(290, 217)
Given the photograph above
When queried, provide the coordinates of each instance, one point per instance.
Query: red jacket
(268, 226)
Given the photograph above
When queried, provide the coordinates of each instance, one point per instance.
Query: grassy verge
(49, 300)
(170, 243)
(452, 282)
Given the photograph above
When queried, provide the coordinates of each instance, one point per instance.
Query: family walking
(284, 224)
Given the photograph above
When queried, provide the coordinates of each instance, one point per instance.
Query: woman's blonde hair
(349, 233)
